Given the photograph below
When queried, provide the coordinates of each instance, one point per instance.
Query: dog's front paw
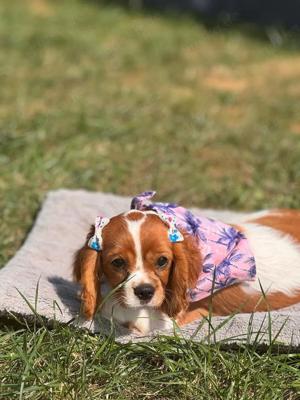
(133, 329)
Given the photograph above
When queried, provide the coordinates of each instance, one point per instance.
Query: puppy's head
(138, 258)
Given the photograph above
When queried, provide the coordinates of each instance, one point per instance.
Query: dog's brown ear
(87, 271)
(183, 276)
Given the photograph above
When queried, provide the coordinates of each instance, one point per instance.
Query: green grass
(38, 364)
(96, 97)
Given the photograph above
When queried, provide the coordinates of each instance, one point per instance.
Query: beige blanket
(44, 262)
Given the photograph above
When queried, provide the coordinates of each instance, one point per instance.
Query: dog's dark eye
(118, 262)
(162, 262)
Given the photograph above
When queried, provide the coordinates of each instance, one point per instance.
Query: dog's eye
(118, 262)
(162, 262)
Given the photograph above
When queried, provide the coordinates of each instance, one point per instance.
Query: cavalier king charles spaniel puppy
(159, 263)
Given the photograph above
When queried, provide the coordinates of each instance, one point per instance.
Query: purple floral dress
(226, 255)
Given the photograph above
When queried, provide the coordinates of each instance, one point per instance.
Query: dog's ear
(183, 276)
(87, 270)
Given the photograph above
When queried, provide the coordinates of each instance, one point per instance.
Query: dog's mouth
(153, 303)
(145, 302)
(141, 303)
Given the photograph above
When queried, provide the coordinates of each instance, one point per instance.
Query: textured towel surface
(46, 257)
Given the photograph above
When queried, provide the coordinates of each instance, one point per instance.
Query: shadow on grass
(275, 22)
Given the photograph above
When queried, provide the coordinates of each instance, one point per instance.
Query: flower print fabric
(226, 255)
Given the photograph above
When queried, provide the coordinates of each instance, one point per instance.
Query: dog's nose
(144, 292)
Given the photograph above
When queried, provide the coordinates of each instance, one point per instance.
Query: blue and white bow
(174, 234)
(95, 241)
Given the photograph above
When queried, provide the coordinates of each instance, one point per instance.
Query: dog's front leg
(188, 316)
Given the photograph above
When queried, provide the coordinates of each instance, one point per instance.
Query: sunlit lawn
(107, 99)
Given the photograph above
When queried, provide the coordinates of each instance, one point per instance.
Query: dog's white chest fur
(141, 320)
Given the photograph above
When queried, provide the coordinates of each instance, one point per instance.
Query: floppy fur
(141, 239)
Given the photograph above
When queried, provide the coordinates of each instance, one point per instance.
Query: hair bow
(95, 241)
(174, 234)
(143, 202)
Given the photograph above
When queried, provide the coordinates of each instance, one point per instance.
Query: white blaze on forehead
(134, 228)
(139, 275)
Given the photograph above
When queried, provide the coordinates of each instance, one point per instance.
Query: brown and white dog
(151, 275)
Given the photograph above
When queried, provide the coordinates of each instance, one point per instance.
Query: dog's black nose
(144, 292)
